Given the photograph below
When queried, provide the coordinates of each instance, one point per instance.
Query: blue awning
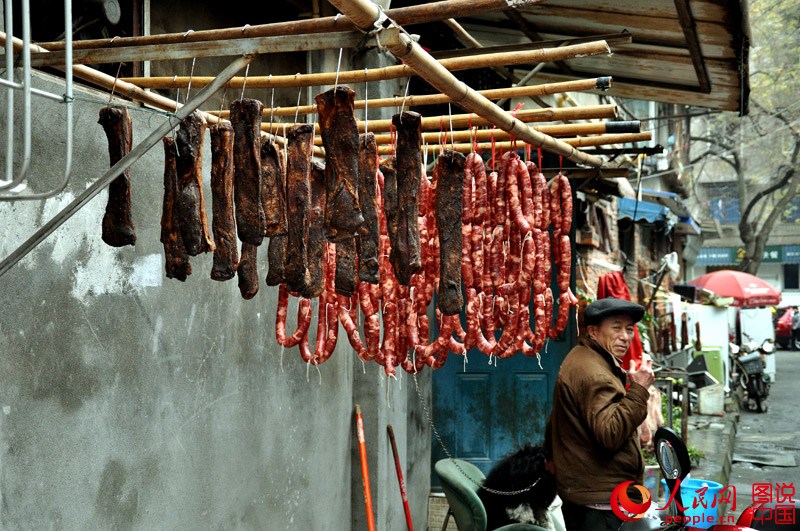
(644, 210)
(668, 199)
(688, 226)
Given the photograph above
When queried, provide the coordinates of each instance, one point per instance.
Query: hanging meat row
(370, 240)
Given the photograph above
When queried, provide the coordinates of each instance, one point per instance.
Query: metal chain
(452, 459)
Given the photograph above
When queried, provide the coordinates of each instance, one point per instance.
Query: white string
(244, 81)
(366, 103)
(191, 75)
(297, 106)
(450, 113)
(338, 66)
(405, 97)
(271, 104)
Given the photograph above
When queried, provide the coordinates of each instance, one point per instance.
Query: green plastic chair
(462, 496)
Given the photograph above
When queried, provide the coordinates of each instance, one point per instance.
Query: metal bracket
(124, 163)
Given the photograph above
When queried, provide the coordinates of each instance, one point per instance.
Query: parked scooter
(749, 382)
(673, 459)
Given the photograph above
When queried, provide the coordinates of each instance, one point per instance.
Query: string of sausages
(367, 243)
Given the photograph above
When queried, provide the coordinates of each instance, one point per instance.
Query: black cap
(600, 309)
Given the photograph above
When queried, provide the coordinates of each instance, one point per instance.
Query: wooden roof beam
(527, 28)
(693, 43)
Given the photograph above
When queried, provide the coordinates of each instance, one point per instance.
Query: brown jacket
(591, 435)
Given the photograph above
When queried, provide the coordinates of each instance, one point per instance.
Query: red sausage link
(466, 224)
(514, 176)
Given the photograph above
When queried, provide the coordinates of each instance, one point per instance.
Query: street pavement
(776, 432)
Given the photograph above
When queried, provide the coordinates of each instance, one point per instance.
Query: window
(791, 276)
(791, 214)
(723, 202)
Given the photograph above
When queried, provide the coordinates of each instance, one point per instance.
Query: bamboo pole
(129, 90)
(432, 71)
(481, 135)
(190, 50)
(612, 39)
(600, 83)
(379, 74)
(417, 14)
(463, 121)
(584, 141)
(462, 34)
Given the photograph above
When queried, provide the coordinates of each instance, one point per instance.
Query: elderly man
(591, 435)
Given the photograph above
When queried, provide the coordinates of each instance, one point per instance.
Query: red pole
(362, 454)
(400, 478)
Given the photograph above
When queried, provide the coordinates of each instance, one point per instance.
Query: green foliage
(695, 455)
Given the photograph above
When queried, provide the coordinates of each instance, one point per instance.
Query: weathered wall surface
(129, 400)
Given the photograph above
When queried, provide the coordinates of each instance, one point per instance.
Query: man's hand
(644, 374)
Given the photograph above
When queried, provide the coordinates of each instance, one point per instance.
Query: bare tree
(762, 149)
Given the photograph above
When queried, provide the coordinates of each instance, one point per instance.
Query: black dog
(514, 472)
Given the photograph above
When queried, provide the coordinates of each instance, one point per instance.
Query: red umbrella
(746, 289)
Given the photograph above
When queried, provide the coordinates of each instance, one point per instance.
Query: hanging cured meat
(276, 259)
(346, 274)
(246, 120)
(339, 131)
(298, 204)
(189, 196)
(272, 189)
(408, 166)
(450, 168)
(273, 167)
(177, 260)
(248, 271)
(390, 200)
(315, 249)
(381, 239)
(223, 222)
(118, 228)
(368, 240)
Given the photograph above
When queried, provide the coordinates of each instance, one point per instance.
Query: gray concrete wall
(131, 401)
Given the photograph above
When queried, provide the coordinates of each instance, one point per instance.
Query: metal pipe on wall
(123, 164)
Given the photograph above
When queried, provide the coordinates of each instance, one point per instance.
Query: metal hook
(115, 37)
(245, 27)
(187, 33)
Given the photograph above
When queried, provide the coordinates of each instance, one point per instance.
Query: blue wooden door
(484, 412)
